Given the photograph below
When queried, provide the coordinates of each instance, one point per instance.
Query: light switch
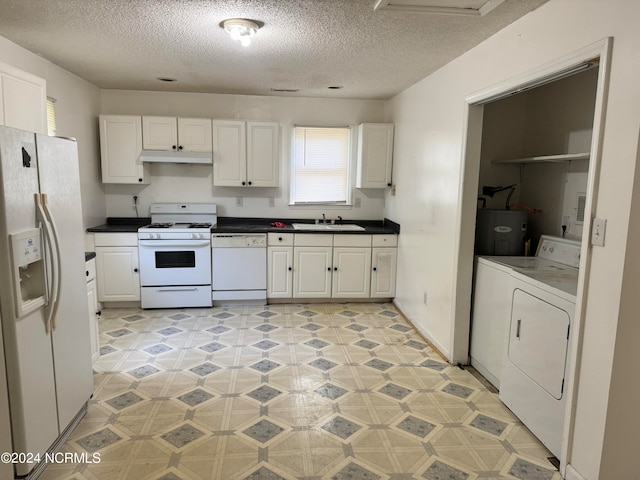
(598, 229)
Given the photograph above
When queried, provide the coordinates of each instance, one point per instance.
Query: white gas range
(175, 255)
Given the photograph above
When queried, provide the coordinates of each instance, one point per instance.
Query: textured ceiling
(305, 44)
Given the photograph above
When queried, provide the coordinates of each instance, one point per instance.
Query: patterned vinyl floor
(324, 391)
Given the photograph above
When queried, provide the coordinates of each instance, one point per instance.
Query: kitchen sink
(327, 226)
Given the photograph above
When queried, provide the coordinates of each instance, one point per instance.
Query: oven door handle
(173, 243)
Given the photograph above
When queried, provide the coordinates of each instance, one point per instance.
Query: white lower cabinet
(331, 266)
(94, 309)
(351, 272)
(279, 265)
(383, 272)
(312, 272)
(117, 267)
(351, 266)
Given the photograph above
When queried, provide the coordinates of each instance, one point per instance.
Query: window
(320, 165)
(51, 116)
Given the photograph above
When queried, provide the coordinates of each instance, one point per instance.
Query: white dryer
(492, 299)
(538, 346)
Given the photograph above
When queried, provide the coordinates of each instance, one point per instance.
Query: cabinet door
(351, 272)
(120, 147)
(24, 100)
(383, 272)
(312, 270)
(263, 154)
(280, 272)
(194, 135)
(159, 133)
(117, 271)
(229, 153)
(375, 152)
(94, 334)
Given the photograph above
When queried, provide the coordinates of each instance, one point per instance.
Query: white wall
(193, 183)
(430, 124)
(77, 108)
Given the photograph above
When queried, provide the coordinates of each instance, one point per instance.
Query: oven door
(174, 262)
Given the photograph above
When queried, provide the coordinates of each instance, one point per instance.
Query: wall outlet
(239, 201)
(424, 298)
(272, 201)
(598, 230)
(357, 202)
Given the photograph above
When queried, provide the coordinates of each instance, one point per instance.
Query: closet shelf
(565, 157)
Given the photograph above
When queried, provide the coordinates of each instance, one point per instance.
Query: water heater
(500, 232)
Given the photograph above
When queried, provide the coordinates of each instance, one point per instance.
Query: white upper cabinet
(23, 100)
(176, 134)
(245, 153)
(229, 153)
(263, 154)
(120, 147)
(375, 154)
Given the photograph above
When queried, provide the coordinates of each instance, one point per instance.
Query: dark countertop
(252, 225)
(121, 225)
(263, 225)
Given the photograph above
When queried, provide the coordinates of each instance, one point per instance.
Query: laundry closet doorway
(567, 163)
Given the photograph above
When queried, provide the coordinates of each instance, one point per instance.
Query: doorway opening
(535, 154)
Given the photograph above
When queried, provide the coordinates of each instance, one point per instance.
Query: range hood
(155, 156)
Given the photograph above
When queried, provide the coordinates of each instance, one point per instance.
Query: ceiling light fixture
(241, 29)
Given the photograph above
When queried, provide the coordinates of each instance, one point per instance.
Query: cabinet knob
(173, 146)
(329, 269)
(375, 269)
(389, 184)
(86, 273)
(279, 239)
(290, 268)
(135, 270)
(244, 183)
(99, 313)
(335, 269)
(140, 180)
(249, 183)
(180, 147)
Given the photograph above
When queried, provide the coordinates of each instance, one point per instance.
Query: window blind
(320, 165)
(51, 116)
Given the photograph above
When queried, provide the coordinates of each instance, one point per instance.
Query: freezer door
(60, 180)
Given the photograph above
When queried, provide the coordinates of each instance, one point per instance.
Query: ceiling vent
(474, 8)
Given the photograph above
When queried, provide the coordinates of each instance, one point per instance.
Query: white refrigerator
(43, 300)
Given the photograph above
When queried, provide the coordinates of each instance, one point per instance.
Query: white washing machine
(538, 347)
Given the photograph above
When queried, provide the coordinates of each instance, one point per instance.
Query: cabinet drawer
(116, 239)
(352, 240)
(385, 240)
(90, 270)
(283, 239)
(312, 240)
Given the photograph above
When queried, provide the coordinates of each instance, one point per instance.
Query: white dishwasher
(239, 268)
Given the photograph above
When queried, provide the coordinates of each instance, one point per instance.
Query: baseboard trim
(572, 474)
(419, 332)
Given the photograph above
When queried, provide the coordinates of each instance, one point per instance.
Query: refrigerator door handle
(49, 252)
(57, 261)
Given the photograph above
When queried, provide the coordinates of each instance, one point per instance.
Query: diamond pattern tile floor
(322, 391)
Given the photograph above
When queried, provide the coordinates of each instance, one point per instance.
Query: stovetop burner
(200, 225)
(160, 225)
